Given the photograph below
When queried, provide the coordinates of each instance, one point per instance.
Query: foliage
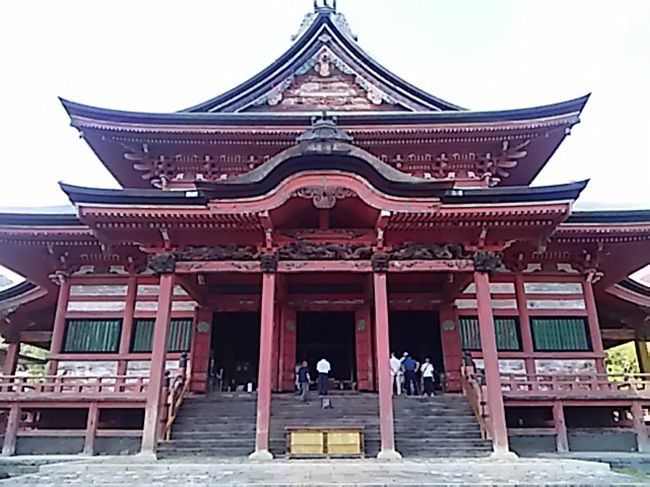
(622, 359)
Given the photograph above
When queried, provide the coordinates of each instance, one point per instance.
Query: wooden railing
(576, 385)
(73, 387)
(475, 393)
(179, 387)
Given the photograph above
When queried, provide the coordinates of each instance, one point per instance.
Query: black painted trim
(615, 216)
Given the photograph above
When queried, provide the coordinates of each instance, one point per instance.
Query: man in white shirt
(323, 368)
(427, 376)
(396, 373)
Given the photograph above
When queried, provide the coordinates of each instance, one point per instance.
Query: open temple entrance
(329, 335)
(235, 349)
(418, 333)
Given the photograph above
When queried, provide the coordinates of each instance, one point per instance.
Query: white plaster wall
(565, 366)
(78, 368)
(98, 290)
(506, 366)
(553, 287)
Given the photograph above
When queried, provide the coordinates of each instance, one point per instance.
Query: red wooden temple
(324, 207)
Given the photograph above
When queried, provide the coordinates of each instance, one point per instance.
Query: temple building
(324, 208)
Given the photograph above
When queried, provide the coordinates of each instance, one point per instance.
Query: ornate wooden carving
(419, 251)
(380, 262)
(327, 235)
(306, 250)
(218, 252)
(269, 262)
(323, 197)
(162, 263)
(487, 261)
(325, 82)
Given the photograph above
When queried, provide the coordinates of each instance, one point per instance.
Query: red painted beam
(288, 267)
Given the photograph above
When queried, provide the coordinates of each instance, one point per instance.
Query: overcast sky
(163, 56)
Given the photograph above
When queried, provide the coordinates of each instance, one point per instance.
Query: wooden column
(11, 358)
(58, 331)
(363, 339)
(200, 351)
(264, 370)
(155, 398)
(287, 348)
(127, 323)
(640, 428)
(491, 364)
(642, 355)
(561, 438)
(386, 422)
(9, 445)
(91, 429)
(275, 352)
(594, 327)
(451, 346)
(524, 324)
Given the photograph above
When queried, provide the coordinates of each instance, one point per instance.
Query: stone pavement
(123, 471)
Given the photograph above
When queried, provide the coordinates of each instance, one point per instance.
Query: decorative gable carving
(325, 82)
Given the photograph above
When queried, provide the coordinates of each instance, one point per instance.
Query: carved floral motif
(324, 197)
(419, 251)
(218, 252)
(305, 250)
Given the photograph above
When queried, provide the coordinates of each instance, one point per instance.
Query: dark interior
(235, 348)
(418, 333)
(329, 335)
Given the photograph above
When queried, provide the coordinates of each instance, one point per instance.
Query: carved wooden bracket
(487, 261)
(269, 262)
(380, 262)
(162, 263)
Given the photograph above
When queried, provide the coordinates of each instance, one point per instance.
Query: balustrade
(576, 385)
(34, 387)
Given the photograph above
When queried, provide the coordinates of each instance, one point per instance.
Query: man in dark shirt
(303, 380)
(410, 366)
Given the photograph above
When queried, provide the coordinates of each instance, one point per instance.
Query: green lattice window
(180, 335)
(560, 334)
(88, 335)
(506, 329)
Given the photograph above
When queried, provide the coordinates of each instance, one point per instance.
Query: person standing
(427, 376)
(303, 380)
(323, 368)
(395, 373)
(410, 366)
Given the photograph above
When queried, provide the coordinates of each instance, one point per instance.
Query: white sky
(163, 56)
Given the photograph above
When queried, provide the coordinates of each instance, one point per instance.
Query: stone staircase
(441, 426)
(348, 409)
(223, 425)
(214, 425)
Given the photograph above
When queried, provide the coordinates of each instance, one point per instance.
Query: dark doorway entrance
(235, 349)
(329, 335)
(418, 333)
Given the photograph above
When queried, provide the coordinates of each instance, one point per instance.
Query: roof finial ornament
(323, 128)
(324, 5)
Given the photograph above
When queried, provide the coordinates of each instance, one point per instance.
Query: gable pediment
(325, 82)
(324, 69)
